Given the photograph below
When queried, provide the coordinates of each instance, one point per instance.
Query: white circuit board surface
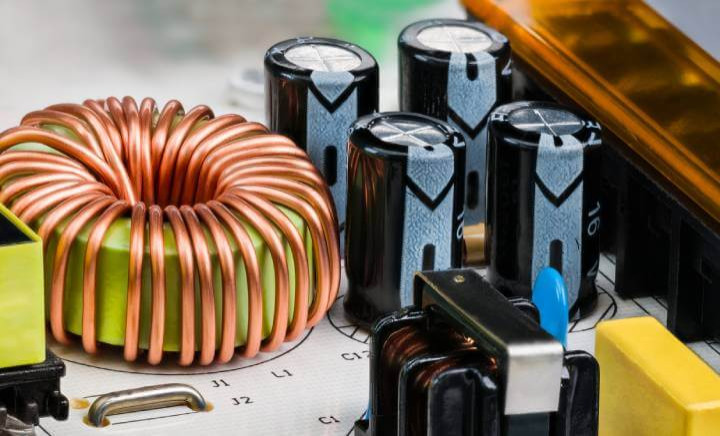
(317, 385)
(76, 49)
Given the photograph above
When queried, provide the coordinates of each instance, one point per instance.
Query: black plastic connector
(33, 391)
(663, 248)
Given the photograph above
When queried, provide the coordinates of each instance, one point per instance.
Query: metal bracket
(145, 398)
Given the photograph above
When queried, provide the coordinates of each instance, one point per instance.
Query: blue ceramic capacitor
(550, 297)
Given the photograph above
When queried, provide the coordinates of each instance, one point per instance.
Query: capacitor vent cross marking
(458, 39)
(547, 121)
(323, 57)
(408, 133)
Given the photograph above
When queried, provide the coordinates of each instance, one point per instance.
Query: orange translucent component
(637, 74)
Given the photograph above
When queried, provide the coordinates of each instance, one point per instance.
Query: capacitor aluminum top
(314, 89)
(544, 199)
(405, 208)
(457, 71)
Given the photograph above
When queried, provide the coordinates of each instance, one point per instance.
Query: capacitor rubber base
(585, 306)
(361, 428)
(33, 391)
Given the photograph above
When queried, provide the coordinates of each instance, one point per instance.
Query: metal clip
(145, 398)
(11, 426)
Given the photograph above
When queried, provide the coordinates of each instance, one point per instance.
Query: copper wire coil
(208, 180)
(405, 344)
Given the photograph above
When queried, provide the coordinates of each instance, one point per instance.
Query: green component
(372, 23)
(112, 280)
(22, 338)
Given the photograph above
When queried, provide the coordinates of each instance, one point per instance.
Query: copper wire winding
(194, 172)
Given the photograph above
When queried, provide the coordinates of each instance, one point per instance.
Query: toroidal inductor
(172, 231)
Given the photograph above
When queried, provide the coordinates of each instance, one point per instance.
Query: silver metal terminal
(455, 38)
(11, 426)
(408, 133)
(145, 398)
(545, 120)
(323, 57)
(534, 376)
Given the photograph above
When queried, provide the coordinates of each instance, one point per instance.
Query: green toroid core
(112, 282)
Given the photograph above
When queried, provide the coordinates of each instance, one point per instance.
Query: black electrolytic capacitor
(405, 208)
(315, 88)
(544, 199)
(457, 71)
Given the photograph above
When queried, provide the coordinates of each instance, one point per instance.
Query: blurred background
(210, 51)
